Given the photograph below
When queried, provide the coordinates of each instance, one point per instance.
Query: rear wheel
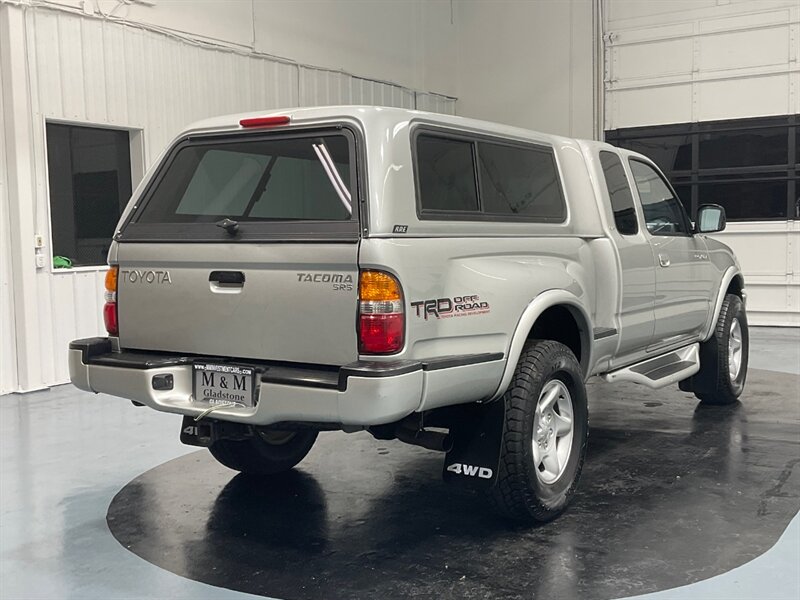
(724, 357)
(267, 452)
(545, 434)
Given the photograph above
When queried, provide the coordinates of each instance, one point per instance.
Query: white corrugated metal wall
(8, 357)
(684, 61)
(88, 70)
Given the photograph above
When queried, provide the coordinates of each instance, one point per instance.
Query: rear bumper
(362, 393)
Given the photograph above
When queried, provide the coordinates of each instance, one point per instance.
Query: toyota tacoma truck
(442, 281)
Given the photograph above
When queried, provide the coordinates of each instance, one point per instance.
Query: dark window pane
(670, 153)
(89, 173)
(746, 148)
(747, 154)
(662, 211)
(747, 200)
(259, 180)
(619, 191)
(520, 181)
(446, 172)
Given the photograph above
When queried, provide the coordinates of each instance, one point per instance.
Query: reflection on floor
(671, 494)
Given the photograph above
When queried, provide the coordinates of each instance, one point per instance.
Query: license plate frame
(224, 384)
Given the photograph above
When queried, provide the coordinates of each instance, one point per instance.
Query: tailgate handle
(227, 277)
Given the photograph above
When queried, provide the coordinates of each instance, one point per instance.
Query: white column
(19, 162)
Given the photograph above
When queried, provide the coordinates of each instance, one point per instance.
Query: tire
(267, 452)
(724, 357)
(526, 491)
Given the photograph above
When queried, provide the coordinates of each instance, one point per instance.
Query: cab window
(663, 212)
(619, 192)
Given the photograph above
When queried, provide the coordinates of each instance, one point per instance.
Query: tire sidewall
(287, 452)
(565, 368)
(735, 310)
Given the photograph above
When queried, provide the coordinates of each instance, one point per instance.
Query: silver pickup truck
(446, 282)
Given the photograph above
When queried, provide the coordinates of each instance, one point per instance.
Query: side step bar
(661, 371)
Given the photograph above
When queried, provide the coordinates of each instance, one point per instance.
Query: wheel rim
(553, 426)
(735, 350)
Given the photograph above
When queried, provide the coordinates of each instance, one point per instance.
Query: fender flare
(730, 273)
(532, 312)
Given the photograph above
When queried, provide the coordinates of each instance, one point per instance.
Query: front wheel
(267, 452)
(724, 357)
(545, 434)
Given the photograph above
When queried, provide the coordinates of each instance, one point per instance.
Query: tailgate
(297, 302)
(246, 245)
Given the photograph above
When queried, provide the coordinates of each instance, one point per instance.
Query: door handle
(227, 277)
(663, 260)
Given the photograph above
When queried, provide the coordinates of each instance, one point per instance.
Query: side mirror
(710, 218)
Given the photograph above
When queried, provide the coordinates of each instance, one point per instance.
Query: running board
(662, 370)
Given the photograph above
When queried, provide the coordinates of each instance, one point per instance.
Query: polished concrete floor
(99, 500)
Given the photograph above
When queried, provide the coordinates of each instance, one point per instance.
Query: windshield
(286, 178)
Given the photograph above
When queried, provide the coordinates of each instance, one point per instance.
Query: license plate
(224, 384)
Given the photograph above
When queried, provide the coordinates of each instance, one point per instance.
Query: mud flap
(477, 432)
(705, 380)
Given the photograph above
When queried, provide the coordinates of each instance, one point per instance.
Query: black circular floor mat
(671, 493)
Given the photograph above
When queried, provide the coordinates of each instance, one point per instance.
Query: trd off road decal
(445, 308)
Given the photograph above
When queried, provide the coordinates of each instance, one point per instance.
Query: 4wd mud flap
(477, 432)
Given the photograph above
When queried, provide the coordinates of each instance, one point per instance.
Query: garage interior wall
(8, 355)
(527, 64)
(148, 68)
(66, 66)
(685, 61)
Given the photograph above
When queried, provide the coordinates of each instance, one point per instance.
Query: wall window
(89, 169)
(749, 166)
(475, 178)
(619, 192)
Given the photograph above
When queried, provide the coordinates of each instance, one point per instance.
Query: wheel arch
(732, 282)
(556, 315)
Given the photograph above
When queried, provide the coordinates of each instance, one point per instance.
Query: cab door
(636, 312)
(684, 274)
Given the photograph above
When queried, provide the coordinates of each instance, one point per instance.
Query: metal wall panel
(679, 62)
(707, 63)
(8, 354)
(435, 103)
(334, 88)
(95, 72)
(769, 253)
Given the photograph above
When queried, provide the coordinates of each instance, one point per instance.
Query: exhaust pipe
(432, 440)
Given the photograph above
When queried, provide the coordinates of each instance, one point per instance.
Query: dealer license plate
(224, 384)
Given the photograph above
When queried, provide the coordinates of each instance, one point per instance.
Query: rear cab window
(475, 178)
(619, 193)
(273, 185)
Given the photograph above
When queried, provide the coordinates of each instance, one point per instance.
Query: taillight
(110, 307)
(381, 315)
